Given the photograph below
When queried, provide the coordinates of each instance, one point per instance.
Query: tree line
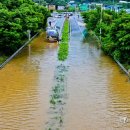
(64, 2)
(16, 17)
(98, 1)
(55, 2)
(115, 32)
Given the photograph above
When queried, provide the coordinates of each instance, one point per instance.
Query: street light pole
(29, 34)
(29, 38)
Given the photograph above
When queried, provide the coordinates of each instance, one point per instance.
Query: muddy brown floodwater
(98, 92)
(24, 87)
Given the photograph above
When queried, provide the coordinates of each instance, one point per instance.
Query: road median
(64, 46)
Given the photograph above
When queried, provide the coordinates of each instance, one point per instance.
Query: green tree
(120, 35)
(16, 18)
(115, 32)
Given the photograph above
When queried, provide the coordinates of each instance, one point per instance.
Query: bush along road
(113, 31)
(17, 20)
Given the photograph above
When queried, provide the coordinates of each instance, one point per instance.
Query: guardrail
(25, 44)
(122, 67)
(119, 64)
(12, 56)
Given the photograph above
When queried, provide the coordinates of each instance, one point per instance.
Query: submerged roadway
(98, 92)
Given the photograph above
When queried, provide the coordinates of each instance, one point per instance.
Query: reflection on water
(24, 87)
(99, 94)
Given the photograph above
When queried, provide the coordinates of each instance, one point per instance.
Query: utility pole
(113, 2)
(100, 23)
(29, 37)
(29, 34)
(113, 5)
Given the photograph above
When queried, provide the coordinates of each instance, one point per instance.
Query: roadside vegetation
(64, 46)
(16, 18)
(56, 2)
(115, 36)
(58, 99)
(98, 1)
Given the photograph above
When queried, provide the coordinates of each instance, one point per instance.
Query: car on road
(52, 34)
(70, 14)
(58, 16)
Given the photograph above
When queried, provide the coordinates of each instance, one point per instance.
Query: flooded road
(25, 83)
(98, 92)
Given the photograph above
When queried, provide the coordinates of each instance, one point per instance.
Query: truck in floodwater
(52, 34)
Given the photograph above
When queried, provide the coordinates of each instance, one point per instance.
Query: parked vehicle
(52, 34)
(70, 14)
(58, 16)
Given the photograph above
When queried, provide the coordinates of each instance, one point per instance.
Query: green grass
(64, 46)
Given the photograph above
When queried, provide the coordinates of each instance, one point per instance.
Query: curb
(60, 32)
(69, 32)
